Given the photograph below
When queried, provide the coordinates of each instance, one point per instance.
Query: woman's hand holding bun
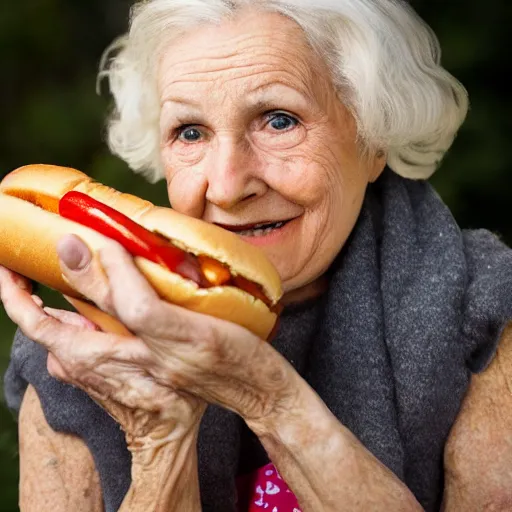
(175, 361)
(157, 382)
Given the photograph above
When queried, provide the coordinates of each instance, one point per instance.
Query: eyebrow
(181, 108)
(278, 84)
(180, 100)
(266, 95)
(260, 98)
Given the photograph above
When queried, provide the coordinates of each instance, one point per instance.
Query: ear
(377, 165)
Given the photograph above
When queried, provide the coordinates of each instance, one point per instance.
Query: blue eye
(189, 134)
(282, 122)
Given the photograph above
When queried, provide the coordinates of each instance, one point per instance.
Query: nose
(233, 174)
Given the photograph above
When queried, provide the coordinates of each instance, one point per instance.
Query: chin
(282, 264)
(291, 282)
(294, 274)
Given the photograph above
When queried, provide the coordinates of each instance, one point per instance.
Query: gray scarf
(414, 306)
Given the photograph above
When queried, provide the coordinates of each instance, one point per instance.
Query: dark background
(49, 54)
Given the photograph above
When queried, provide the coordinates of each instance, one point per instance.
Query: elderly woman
(320, 119)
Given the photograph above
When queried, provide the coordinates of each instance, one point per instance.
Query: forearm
(57, 471)
(325, 466)
(165, 479)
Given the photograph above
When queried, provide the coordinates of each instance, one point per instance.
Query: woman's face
(254, 138)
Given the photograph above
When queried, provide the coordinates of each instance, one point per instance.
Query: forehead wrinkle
(189, 81)
(257, 57)
(235, 71)
(181, 89)
(227, 74)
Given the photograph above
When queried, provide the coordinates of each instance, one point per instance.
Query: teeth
(274, 225)
(258, 231)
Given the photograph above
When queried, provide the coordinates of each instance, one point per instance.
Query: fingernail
(73, 253)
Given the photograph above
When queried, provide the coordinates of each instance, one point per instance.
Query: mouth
(256, 229)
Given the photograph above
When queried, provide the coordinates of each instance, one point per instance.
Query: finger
(135, 302)
(37, 300)
(46, 329)
(138, 306)
(86, 357)
(84, 272)
(18, 303)
(91, 378)
(55, 369)
(19, 280)
(97, 387)
(71, 318)
(23, 310)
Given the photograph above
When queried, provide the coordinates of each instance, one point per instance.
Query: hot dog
(190, 263)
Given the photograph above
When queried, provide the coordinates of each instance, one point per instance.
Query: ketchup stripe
(136, 239)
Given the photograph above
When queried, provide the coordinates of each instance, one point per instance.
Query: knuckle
(110, 255)
(75, 360)
(138, 314)
(91, 282)
(180, 380)
(224, 349)
(175, 374)
(38, 329)
(211, 337)
(76, 368)
(55, 369)
(105, 301)
(209, 349)
(278, 377)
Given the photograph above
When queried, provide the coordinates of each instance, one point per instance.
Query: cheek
(186, 188)
(332, 173)
(308, 176)
(178, 155)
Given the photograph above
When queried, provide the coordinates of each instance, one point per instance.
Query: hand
(181, 352)
(149, 413)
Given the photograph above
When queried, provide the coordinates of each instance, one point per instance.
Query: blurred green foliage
(49, 53)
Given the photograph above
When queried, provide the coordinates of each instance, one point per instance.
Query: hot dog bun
(30, 227)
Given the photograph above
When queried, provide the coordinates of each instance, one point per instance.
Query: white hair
(384, 61)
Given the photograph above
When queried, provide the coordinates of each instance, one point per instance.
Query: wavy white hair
(384, 61)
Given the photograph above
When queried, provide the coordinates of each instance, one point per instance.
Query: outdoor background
(49, 53)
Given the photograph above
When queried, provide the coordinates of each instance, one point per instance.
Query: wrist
(302, 410)
(165, 476)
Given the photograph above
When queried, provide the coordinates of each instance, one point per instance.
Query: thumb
(83, 272)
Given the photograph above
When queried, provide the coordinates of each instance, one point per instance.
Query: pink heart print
(265, 490)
